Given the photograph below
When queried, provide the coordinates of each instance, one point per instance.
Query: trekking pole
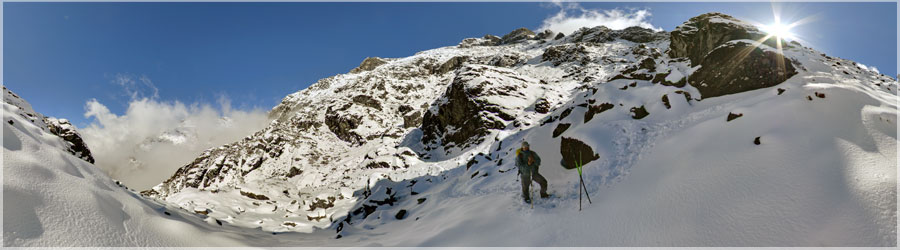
(580, 182)
(581, 178)
(585, 191)
(531, 196)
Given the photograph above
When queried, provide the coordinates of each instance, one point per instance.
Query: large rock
(575, 152)
(466, 112)
(342, 126)
(487, 40)
(740, 66)
(602, 34)
(641, 35)
(517, 35)
(65, 130)
(701, 34)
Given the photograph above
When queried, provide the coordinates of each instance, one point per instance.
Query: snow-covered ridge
(62, 128)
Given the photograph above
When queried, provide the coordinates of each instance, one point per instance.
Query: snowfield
(811, 161)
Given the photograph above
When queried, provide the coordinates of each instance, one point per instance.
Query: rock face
(602, 34)
(701, 34)
(369, 63)
(732, 54)
(740, 66)
(487, 40)
(75, 145)
(575, 152)
(466, 111)
(517, 35)
(65, 130)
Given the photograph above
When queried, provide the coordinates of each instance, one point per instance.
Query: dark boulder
(596, 109)
(367, 101)
(342, 127)
(451, 64)
(487, 40)
(639, 112)
(560, 128)
(599, 34)
(412, 120)
(641, 35)
(464, 114)
(65, 130)
(542, 106)
(517, 35)
(732, 116)
(559, 54)
(701, 34)
(546, 34)
(575, 152)
(738, 67)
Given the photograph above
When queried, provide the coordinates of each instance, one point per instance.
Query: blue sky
(60, 55)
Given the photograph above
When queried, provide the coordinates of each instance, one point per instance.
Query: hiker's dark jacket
(522, 161)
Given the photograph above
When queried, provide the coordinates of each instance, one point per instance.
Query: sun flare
(779, 30)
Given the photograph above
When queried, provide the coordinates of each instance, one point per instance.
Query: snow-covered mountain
(709, 135)
(62, 128)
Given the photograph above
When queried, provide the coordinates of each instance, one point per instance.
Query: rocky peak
(701, 34)
(602, 34)
(368, 64)
(733, 57)
(517, 35)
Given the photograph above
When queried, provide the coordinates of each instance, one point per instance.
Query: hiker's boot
(545, 195)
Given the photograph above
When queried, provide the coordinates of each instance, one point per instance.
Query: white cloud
(572, 16)
(145, 146)
(135, 86)
(868, 68)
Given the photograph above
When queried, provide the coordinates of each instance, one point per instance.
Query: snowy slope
(54, 199)
(782, 148)
(824, 174)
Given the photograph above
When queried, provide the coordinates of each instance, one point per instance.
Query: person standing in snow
(528, 162)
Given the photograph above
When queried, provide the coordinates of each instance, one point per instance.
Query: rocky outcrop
(575, 152)
(543, 35)
(740, 66)
(732, 54)
(602, 34)
(465, 113)
(368, 64)
(517, 35)
(342, 126)
(66, 131)
(75, 145)
(487, 40)
(641, 35)
(701, 34)
(559, 54)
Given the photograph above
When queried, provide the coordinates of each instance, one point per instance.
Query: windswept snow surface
(54, 199)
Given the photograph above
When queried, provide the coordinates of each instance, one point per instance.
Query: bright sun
(779, 30)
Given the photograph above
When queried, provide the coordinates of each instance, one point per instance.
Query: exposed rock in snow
(741, 66)
(369, 63)
(701, 34)
(60, 127)
(517, 35)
